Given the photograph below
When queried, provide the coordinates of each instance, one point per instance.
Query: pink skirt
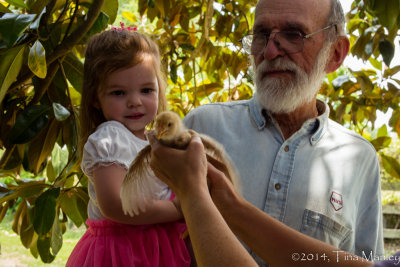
(107, 243)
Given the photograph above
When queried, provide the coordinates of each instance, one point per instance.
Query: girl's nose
(134, 100)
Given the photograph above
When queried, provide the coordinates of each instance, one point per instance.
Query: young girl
(123, 91)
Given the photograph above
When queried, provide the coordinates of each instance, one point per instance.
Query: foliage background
(41, 53)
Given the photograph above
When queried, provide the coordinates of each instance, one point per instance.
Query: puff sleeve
(112, 143)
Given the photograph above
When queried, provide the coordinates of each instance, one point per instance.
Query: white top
(112, 143)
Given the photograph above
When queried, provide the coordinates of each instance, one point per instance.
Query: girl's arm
(107, 183)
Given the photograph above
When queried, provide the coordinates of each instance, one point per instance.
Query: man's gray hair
(336, 16)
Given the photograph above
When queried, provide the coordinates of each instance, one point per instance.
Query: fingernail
(197, 138)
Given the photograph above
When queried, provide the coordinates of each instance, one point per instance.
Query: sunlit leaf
(4, 9)
(29, 123)
(10, 65)
(68, 203)
(45, 211)
(37, 60)
(59, 157)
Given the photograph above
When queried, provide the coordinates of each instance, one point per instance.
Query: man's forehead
(282, 13)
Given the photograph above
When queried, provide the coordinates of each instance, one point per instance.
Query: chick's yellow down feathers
(140, 186)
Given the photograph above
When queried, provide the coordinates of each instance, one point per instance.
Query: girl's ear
(96, 103)
(340, 50)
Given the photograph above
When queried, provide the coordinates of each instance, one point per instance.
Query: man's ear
(340, 49)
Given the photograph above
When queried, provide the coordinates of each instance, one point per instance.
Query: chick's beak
(160, 133)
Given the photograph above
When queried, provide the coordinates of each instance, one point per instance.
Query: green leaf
(391, 165)
(29, 123)
(51, 176)
(13, 25)
(36, 23)
(60, 112)
(10, 65)
(99, 25)
(388, 18)
(17, 3)
(387, 50)
(45, 211)
(24, 190)
(110, 7)
(381, 142)
(173, 73)
(187, 47)
(187, 70)
(43, 246)
(73, 68)
(41, 147)
(56, 236)
(37, 60)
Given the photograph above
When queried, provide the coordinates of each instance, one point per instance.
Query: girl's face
(130, 96)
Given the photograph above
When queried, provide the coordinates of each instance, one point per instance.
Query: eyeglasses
(289, 42)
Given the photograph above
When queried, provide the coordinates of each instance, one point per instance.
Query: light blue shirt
(323, 181)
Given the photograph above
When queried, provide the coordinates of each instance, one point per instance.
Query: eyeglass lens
(289, 42)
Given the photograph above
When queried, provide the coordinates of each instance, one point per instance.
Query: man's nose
(272, 49)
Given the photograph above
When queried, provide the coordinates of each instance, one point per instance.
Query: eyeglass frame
(307, 36)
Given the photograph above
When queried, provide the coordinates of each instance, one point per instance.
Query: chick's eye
(169, 124)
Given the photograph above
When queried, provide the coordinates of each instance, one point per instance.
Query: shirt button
(286, 148)
(277, 186)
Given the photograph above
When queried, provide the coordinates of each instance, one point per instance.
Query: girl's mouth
(135, 116)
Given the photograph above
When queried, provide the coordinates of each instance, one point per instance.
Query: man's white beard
(285, 95)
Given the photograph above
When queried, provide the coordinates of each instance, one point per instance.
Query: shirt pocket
(322, 227)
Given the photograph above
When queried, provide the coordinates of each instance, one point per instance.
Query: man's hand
(184, 171)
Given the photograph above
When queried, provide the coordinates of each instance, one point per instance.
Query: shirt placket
(282, 172)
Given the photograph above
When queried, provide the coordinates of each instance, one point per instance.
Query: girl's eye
(147, 90)
(117, 92)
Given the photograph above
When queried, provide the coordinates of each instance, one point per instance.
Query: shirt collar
(316, 127)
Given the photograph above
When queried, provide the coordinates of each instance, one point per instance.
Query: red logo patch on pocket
(336, 200)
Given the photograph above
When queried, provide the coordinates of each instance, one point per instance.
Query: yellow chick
(140, 187)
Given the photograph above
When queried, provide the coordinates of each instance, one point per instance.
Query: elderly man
(295, 163)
